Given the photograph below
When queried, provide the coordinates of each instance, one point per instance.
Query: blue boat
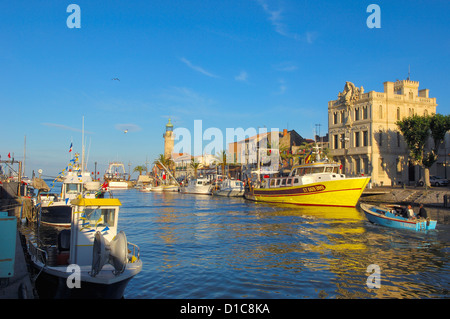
(389, 216)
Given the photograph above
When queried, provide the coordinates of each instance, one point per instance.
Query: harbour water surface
(198, 246)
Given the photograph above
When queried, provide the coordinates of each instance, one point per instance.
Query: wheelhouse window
(72, 188)
(100, 216)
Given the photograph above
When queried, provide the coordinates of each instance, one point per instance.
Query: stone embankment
(437, 197)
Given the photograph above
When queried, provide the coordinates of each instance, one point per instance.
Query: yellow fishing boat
(319, 184)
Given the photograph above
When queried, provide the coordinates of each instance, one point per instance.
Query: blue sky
(246, 63)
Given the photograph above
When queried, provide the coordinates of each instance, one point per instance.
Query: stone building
(363, 135)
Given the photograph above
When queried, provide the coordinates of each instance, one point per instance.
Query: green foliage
(416, 131)
(140, 169)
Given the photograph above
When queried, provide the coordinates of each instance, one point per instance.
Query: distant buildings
(364, 137)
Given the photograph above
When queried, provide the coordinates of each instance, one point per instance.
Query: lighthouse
(168, 140)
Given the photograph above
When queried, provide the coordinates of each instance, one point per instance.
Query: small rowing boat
(389, 216)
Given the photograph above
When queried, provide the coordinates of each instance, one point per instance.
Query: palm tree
(140, 169)
(222, 159)
(195, 166)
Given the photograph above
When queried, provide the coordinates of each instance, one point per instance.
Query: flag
(9, 155)
(70, 149)
(308, 158)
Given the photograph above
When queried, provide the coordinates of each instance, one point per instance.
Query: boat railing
(39, 255)
(135, 250)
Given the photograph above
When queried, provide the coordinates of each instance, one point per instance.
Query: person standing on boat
(422, 212)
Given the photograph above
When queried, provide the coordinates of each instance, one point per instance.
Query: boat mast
(165, 168)
(82, 146)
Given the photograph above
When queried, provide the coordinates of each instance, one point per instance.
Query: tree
(140, 169)
(194, 164)
(416, 131)
(222, 159)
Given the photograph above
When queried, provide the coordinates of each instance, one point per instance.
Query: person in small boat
(422, 212)
(411, 214)
(404, 212)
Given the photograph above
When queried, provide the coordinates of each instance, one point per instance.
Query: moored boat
(319, 183)
(55, 209)
(116, 176)
(92, 259)
(388, 215)
(146, 189)
(164, 188)
(200, 186)
(230, 188)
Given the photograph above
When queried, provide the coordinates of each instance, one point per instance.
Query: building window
(342, 117)
(357, 114)
(365, 113)
(398, 113)
(335, 118)
(380, 138)
(336, 144)
(342, 140)
(425, 112)
(399, 166)
(398, 139)
(365, 138)
(358, 166)
(366, 165)
(381, 111)
(356, 139)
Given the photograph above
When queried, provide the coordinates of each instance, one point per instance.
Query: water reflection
(213, 247)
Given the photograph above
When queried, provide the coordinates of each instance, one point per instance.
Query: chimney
(389, 88)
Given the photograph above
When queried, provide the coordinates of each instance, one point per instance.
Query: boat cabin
(88, 217)
(306, 174)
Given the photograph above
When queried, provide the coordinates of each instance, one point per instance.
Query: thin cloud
(286, 67)
(276, 19)
(197, 68)
(242, 77)
(311, 37)
(64, 127)
(128, 127)
(282, 88)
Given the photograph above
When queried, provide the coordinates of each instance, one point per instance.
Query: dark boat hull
(56, 215)
(53, 287)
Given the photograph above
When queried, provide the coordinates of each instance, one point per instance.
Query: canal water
(199, 246)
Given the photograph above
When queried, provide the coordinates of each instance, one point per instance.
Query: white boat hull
(229, 192)
(199, 190)
(117, 185)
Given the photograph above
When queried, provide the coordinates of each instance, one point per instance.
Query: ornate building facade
(363, 135)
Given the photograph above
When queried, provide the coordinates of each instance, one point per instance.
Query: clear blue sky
(244, 63)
